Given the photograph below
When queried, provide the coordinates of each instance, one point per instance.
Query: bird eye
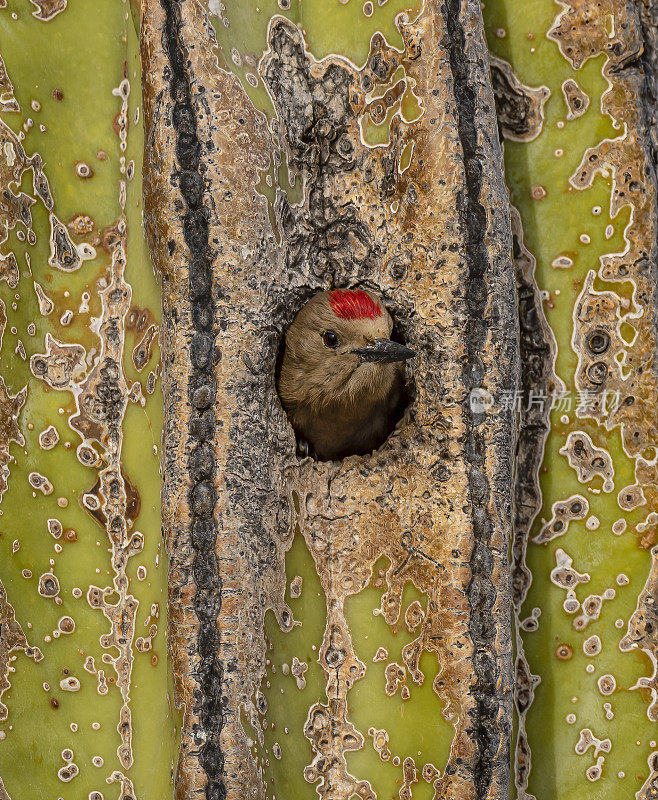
(330, 338)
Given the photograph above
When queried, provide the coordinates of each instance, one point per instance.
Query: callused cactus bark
(339, 629)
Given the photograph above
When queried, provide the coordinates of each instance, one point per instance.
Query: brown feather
(340, 405)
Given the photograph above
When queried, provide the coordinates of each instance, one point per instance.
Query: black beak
(382, 350)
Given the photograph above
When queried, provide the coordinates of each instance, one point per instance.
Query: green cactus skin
(83, 671)
(586, 201)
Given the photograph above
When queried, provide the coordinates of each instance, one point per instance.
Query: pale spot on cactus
(587, 739)
(563, 574)
(48, 585)
(592, 606)
(70, 684)
(66, 624)
(40, 483)
(70, 770)
(46, 305)
(631, 497)
(48, 438)
(564, 511)
(380, 743)
(594, 772)
(297, 670)
(607, 684)
(592, 646)
(81, 224)
(296, 587)
(575, 98)
(83, 169)
(381, 654)
(588, 460)
(531, 623)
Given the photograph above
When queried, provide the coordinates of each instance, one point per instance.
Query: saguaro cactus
(583, 181)
(339, 629)
(83, 666)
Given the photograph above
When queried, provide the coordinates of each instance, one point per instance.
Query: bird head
(339, 351)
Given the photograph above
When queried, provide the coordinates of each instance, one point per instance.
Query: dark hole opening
(407, 390)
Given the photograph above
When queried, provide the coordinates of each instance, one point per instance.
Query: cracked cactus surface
(571, 94)
(84, 706)
(340, 629)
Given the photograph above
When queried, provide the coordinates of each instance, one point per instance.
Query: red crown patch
(350, 304)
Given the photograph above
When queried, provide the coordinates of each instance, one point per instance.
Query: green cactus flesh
(83, 672)
(578, 181)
